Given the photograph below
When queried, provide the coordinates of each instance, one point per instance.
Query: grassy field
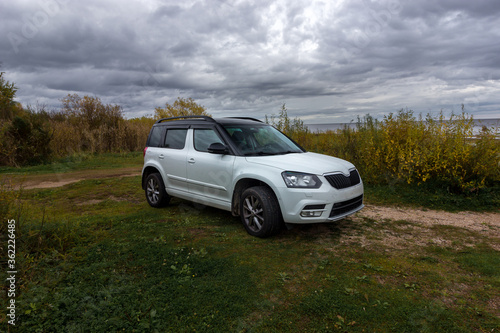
(92, 256)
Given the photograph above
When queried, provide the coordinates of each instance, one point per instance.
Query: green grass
(94, 257)
(433, 196)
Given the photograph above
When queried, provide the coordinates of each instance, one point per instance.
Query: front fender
(245, 176)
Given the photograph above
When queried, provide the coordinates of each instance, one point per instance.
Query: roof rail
(207, 118)
(246, 118)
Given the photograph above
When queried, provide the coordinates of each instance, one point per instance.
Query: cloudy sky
(328, 60)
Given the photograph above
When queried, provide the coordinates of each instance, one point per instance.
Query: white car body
(219, 179)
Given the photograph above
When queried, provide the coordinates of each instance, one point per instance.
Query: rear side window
(175, 138)
(155, 138)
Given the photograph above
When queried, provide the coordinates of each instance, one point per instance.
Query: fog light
(311, 213)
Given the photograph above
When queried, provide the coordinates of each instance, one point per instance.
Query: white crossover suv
(249, 168)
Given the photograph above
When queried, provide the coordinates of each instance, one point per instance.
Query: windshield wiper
(264, 153)
(260, 153)
(288, 152)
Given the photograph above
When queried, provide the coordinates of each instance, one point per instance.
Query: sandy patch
(482, 222)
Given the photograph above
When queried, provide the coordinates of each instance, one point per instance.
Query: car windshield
(261, 140)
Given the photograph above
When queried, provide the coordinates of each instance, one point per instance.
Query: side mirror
(218, 148)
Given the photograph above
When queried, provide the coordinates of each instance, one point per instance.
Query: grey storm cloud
(327, 60)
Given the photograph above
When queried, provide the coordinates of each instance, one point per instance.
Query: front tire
(260, 212)
(155, 191)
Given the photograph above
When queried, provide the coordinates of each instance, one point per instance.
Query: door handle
(191, 161)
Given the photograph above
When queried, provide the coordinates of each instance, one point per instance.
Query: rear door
(155, 144)
(173, 160)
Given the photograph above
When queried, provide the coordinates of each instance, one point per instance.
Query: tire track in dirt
(54, 180)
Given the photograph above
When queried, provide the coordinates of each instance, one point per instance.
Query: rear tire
(155, 191)
(260, 212)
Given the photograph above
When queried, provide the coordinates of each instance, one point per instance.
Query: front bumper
(326, 204)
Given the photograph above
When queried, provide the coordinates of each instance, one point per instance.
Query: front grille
(343, 207)
(339, 181)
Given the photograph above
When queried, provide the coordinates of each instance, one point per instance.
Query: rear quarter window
(155, 138)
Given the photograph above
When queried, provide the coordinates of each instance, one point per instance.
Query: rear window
(175, 138)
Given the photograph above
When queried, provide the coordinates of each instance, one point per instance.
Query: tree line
(34, 135)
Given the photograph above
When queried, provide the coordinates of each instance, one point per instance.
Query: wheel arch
(241, 186)
(146, 172)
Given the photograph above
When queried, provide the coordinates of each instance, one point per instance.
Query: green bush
(25, 139)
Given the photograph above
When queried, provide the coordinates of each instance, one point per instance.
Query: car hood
(313, 163)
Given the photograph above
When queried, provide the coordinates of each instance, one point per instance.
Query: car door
(209, 175)
(173, 160)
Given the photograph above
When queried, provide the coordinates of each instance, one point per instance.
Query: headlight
(300, 180)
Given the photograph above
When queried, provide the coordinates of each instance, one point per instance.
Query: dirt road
(60, 179)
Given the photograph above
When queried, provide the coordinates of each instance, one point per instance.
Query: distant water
(478, 125)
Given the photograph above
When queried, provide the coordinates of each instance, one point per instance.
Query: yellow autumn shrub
(404, 148)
